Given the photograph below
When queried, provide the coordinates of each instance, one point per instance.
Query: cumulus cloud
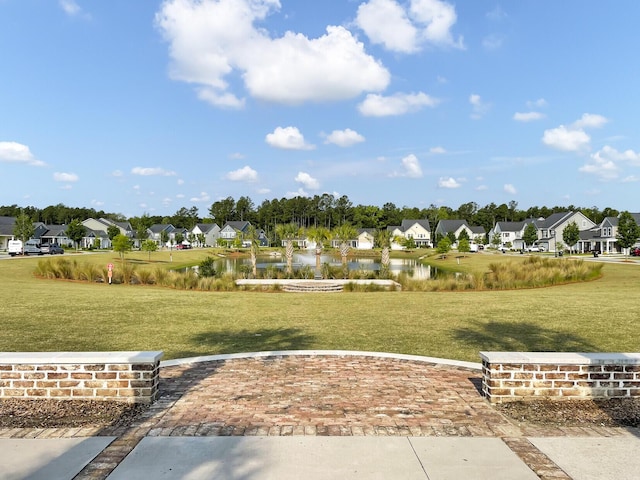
(480, 108)
(510, 189)
(203, 197)
(152, 172)
(412, 166)
(590, 120)
(344, 138)
(608, 162)
(573, 138)
(65, 177)
(307, 180)
(375, 105)
(288, 138)
(14, 152)
(210, 40)
(299, 193)
(528, 116)
(244, 174)
(407, 29)
(450, 182)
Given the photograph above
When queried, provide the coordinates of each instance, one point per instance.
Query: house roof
(237, 225)
(206, 227)
(553, 220)
(451, 225)
(510, 226)
(159, 227)
(408, 223)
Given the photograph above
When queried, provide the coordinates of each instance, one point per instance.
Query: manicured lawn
(49, 315)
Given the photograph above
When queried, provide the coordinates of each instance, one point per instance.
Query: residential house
(164, 234)
(550, 230)
(97, 232)
(53, 234)
(206, 234)
(230, 231)
(7, 226)
(510, 233)
(364, 240)
(475, 233)
(418, 230)
(604, 237)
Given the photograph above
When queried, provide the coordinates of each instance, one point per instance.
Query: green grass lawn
(54, 315)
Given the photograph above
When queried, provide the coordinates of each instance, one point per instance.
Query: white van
(14, 247)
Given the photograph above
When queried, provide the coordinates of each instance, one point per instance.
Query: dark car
(52, 249)
(55, 250)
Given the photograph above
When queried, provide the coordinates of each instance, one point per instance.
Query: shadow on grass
(520, 337)
(265, 339)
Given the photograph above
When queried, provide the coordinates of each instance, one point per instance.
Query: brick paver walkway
(320, 395)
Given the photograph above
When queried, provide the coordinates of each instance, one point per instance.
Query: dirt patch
(21, 413)
(619, 412)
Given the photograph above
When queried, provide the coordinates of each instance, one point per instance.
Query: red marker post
(110, 272)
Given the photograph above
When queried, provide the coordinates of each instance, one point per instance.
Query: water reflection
(411, 267)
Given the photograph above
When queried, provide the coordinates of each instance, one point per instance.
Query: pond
(413, 268)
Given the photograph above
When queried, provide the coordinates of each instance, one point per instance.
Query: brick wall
(521, 376)
(115, 376)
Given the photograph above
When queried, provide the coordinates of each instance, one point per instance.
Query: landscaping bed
(20, 413)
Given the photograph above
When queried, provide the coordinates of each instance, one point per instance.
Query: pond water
(308, 260)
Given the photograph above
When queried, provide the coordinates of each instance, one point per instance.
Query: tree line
(326, 211)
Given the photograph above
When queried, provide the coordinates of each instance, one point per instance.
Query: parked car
(52, 249)
(32, 249)
(635, 252)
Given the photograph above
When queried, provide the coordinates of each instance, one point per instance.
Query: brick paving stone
(319, 396)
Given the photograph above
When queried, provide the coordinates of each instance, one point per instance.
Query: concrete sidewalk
(319, 458)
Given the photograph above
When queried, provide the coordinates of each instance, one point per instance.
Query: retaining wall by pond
(522, 376)
(115, 376)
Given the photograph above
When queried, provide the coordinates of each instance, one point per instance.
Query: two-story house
(475, 233)
(206, 234)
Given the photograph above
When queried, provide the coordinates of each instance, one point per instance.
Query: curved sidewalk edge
(337, 353)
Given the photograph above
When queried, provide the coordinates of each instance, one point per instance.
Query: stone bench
(522, 376)
(115, 376)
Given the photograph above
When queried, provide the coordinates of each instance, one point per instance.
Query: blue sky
(149, 106)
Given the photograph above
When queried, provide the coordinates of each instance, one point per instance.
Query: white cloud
(264, 191)
(438, 17)
(566, 139)
(65, 177)
(385, 22)
(203, 197)
(539, 103)
(117, 173)
(480, 108)
(13, 152)
(590, 120)
(605, 163)
(97, 203)
(375, 105)
(630, 179)
(481, 188)
(299, 193)
(448, 183)
(528, 116)
(180, 181)
(388, 23)
(151, 171)
(508, 188)
(437, 150)
(236, 156)
(573, 137)
(307, 180)
(72, 9)
(344, 138)
(288, 138)
(497, 14)
(412, 166)
(210, 40)
(244, 174)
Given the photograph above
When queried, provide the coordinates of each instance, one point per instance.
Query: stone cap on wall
(564, 358)
(80, 357)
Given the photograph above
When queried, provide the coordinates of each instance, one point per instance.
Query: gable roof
(553, 220)
(237, 225)
(407, 224)
(452, 225)
(206, 227)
